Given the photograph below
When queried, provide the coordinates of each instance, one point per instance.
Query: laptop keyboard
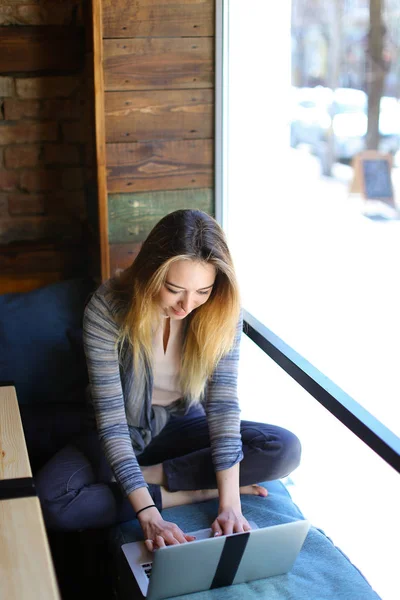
(147, 568)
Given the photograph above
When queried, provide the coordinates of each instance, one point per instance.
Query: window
(317, 264)
(325, 262)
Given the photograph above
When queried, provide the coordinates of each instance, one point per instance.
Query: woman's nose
(187, 303)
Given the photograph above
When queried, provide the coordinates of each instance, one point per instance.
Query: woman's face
(188, 285)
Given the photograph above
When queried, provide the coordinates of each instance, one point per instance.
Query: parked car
(321, 112)
(389, 124)
(310, 115)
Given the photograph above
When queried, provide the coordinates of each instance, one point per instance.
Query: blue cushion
(39, 342)
(320, 571)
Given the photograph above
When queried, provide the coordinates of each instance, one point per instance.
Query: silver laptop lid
(140, 559)
(216, 562)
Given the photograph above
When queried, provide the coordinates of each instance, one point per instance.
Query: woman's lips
(179, 313)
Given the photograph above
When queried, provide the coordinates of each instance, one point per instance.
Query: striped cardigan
(125, 423)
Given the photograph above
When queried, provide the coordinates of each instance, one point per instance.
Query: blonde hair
(210, 334)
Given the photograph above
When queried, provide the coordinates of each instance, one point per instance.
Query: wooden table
(26, 568)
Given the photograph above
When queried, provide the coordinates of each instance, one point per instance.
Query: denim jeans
(77, 492)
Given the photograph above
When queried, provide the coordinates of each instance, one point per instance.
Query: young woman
(162, 347)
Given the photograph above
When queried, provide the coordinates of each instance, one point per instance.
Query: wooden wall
(154, 90)
(46, 142)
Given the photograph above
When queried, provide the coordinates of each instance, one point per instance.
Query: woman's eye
(171, 291)
(204, 293)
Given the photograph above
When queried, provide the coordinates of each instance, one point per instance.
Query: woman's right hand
(159, 533)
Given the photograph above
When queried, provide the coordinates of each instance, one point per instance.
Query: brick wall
(46, 138)
(40, 12)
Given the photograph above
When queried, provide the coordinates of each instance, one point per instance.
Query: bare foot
(170, 499)
(254, 490)
(155, 474)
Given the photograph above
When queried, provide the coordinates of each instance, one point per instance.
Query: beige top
(167, 350)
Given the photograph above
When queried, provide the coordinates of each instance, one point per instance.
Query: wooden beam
(158, 63)
(158, 18)
(154, 166)
(97, 32)
(44, 48)
(132, 216)
(159, 115)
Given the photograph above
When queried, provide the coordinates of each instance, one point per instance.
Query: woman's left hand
(230, 520)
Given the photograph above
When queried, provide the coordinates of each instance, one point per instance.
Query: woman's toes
(254, 490)
(261, 491)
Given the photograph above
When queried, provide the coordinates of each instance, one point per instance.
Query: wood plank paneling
(159, 115)
(158, 18)
(122, 255)
(158, 63)
(131, 216)
(159, 166)
(45, 48)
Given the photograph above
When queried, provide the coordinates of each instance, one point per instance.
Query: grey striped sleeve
(100, 334)
(222, 409)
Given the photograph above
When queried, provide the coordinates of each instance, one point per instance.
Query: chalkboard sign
(377, 179)
(372, 176)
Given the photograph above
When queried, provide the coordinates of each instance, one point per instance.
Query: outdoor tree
(336, 20)
(391, 15)
(376, 71)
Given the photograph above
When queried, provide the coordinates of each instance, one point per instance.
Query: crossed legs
(76, 490)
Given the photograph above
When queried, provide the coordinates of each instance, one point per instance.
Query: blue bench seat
(321, 571)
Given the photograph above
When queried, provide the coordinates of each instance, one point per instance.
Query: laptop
(210, 562)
